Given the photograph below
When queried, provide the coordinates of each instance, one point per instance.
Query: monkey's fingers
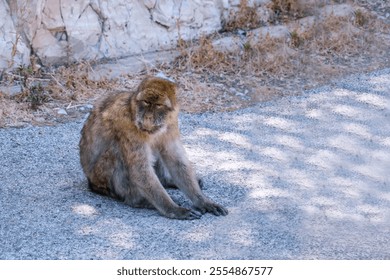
(212, 208)
(185, 214)
(218, 210)
(193, 215)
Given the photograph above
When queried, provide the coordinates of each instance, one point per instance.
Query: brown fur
(130, 149)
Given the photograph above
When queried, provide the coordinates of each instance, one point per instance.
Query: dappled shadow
(303, 178)
(319, 163)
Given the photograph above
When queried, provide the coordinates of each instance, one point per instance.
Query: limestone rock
(13, 50)
(65, 31)
(58, 31)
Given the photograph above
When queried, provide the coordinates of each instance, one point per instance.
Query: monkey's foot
(211, 207)
(182, 213)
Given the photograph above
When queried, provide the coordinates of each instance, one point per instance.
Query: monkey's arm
(183, 176)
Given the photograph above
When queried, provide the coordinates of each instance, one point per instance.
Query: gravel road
(303, 177)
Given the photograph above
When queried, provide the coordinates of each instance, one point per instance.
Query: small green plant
(33, 91)
(295, 40)
(23, 75)
(247, 46)
(360, 18)
(36, 96)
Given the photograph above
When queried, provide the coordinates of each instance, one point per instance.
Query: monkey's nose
(148, 124)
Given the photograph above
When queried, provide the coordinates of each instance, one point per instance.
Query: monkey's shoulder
(114, 101)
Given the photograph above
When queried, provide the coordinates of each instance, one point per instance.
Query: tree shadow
(303, 178)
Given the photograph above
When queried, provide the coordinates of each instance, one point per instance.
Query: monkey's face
(152, 111)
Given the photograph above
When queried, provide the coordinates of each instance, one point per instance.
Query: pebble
(62, 112)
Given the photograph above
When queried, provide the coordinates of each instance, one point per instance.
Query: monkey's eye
(145, 103)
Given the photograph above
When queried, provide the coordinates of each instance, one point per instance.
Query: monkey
(131, 150)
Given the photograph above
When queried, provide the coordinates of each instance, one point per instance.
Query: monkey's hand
(182, 213)
(211, 207)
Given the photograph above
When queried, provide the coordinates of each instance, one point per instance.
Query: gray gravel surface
(303, 177)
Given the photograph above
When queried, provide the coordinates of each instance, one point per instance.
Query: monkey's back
(99, 154)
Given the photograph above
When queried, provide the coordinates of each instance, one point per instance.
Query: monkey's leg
(109, 177)
(99, 175)
(163, 174)
(165, 177)
(121, 184)
(184, 177)
(146, 183)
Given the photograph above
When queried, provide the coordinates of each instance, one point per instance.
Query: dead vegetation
(263, 66)
(285, 10)
(268, 67)
(245, 18)
(42, 93)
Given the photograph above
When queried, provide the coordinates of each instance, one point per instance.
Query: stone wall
(58, 31)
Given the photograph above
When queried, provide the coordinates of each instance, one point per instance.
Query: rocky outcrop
(58, 31)
(13, 49)
(55, 32)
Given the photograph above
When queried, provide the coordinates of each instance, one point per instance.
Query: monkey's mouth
(149, 130)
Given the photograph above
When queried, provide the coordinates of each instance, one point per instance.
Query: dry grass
(202, 56)
(43, 92)
(245, 18)
(263, 68)
(286, 10)
(269, 67)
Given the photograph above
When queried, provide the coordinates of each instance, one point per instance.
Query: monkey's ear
(143, 84)
(168, 103)
(140, 95)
